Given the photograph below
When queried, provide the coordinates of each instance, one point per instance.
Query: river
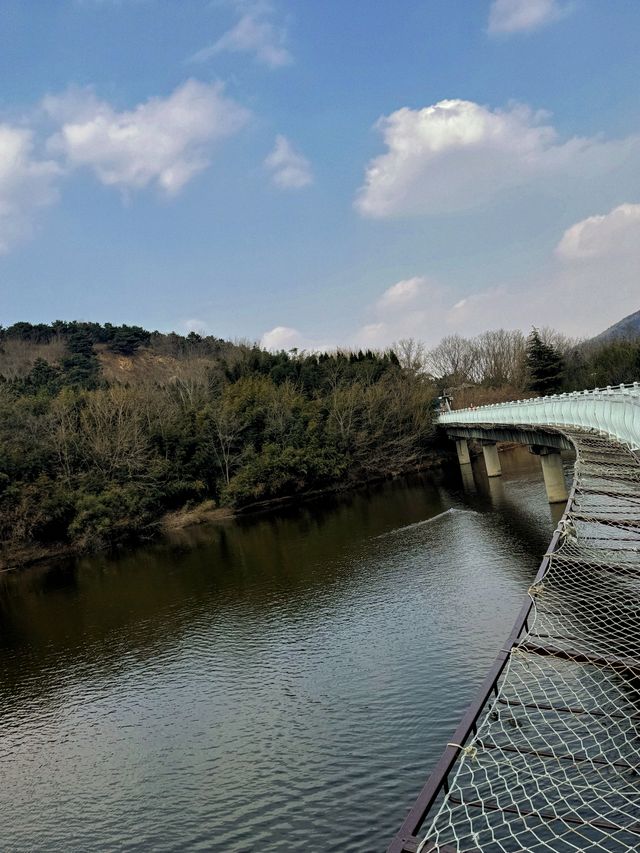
(279, 683)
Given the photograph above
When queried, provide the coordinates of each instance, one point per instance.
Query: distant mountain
(626, 329)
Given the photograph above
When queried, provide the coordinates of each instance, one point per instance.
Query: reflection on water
(278, 683)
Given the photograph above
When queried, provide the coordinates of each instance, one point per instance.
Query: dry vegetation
(104, 430)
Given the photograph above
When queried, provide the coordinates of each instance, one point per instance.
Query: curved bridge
(613, 411)
(547, 758)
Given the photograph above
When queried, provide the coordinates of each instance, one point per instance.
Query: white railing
(613, 411)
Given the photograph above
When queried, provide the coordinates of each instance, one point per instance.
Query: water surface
(282, 683)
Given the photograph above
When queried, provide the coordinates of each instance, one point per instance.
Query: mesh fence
(555, 762)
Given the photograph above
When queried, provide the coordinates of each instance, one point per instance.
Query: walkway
(548, 757)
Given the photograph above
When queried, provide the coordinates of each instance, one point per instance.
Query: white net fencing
(555, 763)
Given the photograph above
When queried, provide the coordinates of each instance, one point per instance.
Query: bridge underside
(548, 756)
(545, 442)
(531, 436)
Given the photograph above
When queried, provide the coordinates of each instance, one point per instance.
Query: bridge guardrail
(613, 411)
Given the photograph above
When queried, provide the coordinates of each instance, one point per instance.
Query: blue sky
(312, 174)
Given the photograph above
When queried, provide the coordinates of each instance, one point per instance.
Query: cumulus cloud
(27, 183)
(401, 293)
(286, 338)
(254, 33)
(456, 155)
(589, 282)
(282, 338)
(596, 280)
(613, 233)
(289, 169)
(162, 142)
(577, 298)
(517, 16)
(413, 307)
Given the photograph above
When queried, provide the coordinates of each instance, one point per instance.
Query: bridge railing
(614, 411)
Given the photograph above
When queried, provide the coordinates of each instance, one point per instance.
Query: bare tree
(563, 343)
(412, 354)
(452, 359)
(62, 427)
(345, 403)
(113, 436)
(228, 425)
(499, 358)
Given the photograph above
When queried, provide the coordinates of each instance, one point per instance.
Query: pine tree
(545, 365)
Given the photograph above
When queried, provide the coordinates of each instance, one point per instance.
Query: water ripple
(282, 684)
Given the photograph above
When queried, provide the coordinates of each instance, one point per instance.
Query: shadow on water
(278, 682)
(510, 495)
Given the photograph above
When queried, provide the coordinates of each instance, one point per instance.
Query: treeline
(500, 365)
(103, 429)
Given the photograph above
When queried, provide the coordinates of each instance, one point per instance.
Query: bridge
(547, 757)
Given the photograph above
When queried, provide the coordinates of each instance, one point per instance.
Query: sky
(312, 174)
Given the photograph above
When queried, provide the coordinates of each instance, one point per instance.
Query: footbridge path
(547, 758)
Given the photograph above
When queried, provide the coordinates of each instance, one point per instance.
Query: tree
(127, 339)
(411, 355)
(80, 366)
(500, 358)
(452, 360)
(545, 365)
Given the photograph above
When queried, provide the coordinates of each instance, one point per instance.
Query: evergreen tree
(80, 366)
(126, 340)
(545, 365)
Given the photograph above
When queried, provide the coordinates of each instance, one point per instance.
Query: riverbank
(22, 555)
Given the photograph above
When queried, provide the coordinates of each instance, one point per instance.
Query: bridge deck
(548, 758)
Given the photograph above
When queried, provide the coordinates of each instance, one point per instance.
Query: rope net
(555, 761)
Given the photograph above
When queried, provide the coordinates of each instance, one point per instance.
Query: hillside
(624, 330)
(104, 430)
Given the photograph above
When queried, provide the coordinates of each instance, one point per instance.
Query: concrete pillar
(554, 476)
(468, 482)
(556, 511)
(497, 493)
(491, 459)
(463, 451)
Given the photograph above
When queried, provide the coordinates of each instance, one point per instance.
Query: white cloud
(456, 155)
(413, 307)
(282, 338)
(164, 141)
(286, 338)
(26, 184)
(195, 325)
(254, 33)
(289, 169)
(401, 293)
(517, 16)
(579, 299)
(614, 233)
(588, 283)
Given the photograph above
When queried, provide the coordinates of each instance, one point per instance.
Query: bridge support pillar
(491, 459)
(463, 451)
(553, 475)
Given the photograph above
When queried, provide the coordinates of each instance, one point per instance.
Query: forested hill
(106, 429)
(103, 429)
(627, 329)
